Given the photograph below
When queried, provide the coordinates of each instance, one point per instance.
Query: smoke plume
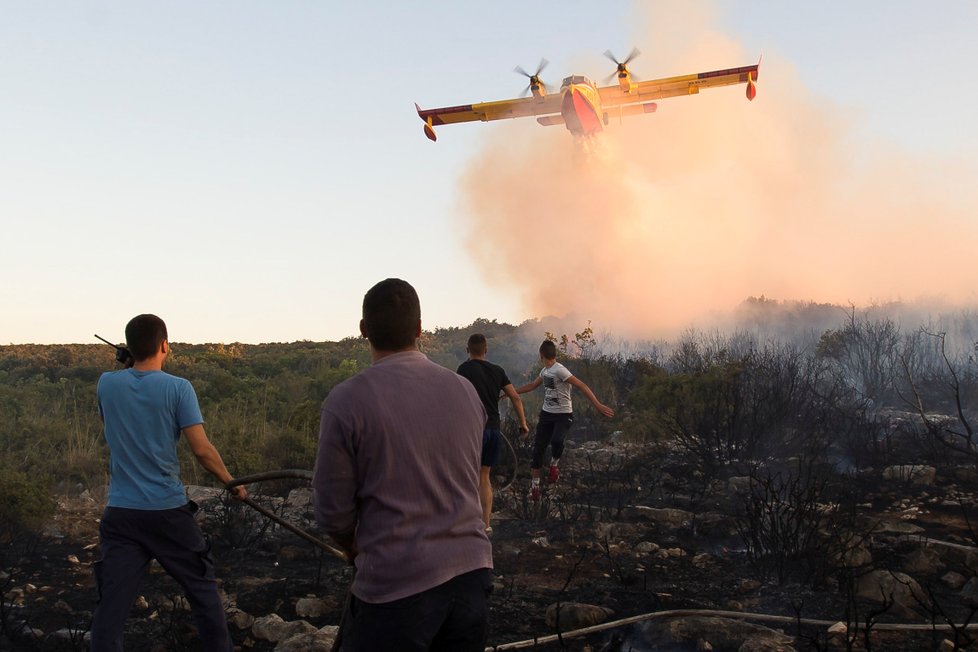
(667, 219)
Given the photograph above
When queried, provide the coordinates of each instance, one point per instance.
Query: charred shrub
(780, 523)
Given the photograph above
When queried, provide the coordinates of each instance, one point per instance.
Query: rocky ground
(626, 532)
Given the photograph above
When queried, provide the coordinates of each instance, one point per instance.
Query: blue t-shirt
(144, 412)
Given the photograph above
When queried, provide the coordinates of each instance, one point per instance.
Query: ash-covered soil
(627, 529)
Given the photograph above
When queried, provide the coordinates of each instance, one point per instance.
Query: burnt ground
(624, 529)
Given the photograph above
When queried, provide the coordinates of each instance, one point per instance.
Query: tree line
(866, 391)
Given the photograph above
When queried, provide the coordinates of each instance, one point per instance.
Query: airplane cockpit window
(576, 79)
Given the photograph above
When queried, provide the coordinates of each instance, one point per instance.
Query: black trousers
(451, 617)
(551, 429)
(129, 539)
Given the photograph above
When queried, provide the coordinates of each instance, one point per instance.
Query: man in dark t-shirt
(489, 380)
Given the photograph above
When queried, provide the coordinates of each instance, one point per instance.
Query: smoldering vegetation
(814, 463)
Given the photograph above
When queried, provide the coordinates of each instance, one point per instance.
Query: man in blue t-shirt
(491, 382)
(148, 516)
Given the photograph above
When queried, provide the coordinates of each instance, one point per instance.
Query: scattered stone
(239, 618)
(299, 497)
(903, 591)
(141, 602)
(915, 474)
(312, 607)
(205, 497)
(540, 542)
(72, 559)
(885, 525)
(273, 628)
(702, 560)
(838, 628)
(923, 561)
(676, 552)
(947, 645)
(666, 516)
(954, 580)
(746, 586)
(320, 640)
(574, 615)
(606, 531)
(704, 645)
(855, 557)
(764, 644)
(63, 607)
(722, 633)
(969, 593)
(646, 547)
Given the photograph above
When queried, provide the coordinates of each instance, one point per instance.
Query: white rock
(914, 473)
(240, 619)
(273, 628)
(310, 607)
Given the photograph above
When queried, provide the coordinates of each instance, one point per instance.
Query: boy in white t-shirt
(557, 414)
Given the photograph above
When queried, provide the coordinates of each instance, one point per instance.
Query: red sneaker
(535, 493)
(554, 474)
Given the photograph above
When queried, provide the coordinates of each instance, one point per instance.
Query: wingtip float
(582, 106)
(428, 130)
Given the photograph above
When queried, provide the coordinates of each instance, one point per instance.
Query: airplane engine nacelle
(430, 132)
(625, 83)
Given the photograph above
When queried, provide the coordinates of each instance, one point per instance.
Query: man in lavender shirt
(397, 486)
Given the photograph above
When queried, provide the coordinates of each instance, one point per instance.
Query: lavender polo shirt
(398, 462)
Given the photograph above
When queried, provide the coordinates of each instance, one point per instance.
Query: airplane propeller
(622, 65)
(534, 78)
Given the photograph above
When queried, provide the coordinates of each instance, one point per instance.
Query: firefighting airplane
(581, 105)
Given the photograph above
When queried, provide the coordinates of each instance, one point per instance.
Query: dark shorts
(491, 443)
(452, 617)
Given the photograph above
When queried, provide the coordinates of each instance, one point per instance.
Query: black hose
(279, 475)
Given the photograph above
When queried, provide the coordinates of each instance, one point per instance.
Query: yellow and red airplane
(582, 106)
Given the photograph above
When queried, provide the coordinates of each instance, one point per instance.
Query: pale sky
(247, 170)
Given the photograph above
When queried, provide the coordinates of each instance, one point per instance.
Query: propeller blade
(607, 80)
(543, 64)
(519, 71)
(631, 55)
(608, 54)
(526, 91)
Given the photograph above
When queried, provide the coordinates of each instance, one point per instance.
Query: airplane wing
(655, 89)
(486, 111)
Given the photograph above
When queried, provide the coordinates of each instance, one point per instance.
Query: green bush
(25, 506)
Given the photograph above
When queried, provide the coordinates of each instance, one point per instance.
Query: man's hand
(524, 430)
(605, 410)
(239, 492)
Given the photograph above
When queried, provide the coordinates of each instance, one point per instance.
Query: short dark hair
(144, 334)
(391, 312)
(548, 350)
(477, 344)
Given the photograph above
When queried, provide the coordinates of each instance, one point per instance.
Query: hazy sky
(247, 170)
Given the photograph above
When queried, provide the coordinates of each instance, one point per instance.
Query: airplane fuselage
(580, 106)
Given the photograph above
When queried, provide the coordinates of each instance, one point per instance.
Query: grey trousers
(130, 539)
